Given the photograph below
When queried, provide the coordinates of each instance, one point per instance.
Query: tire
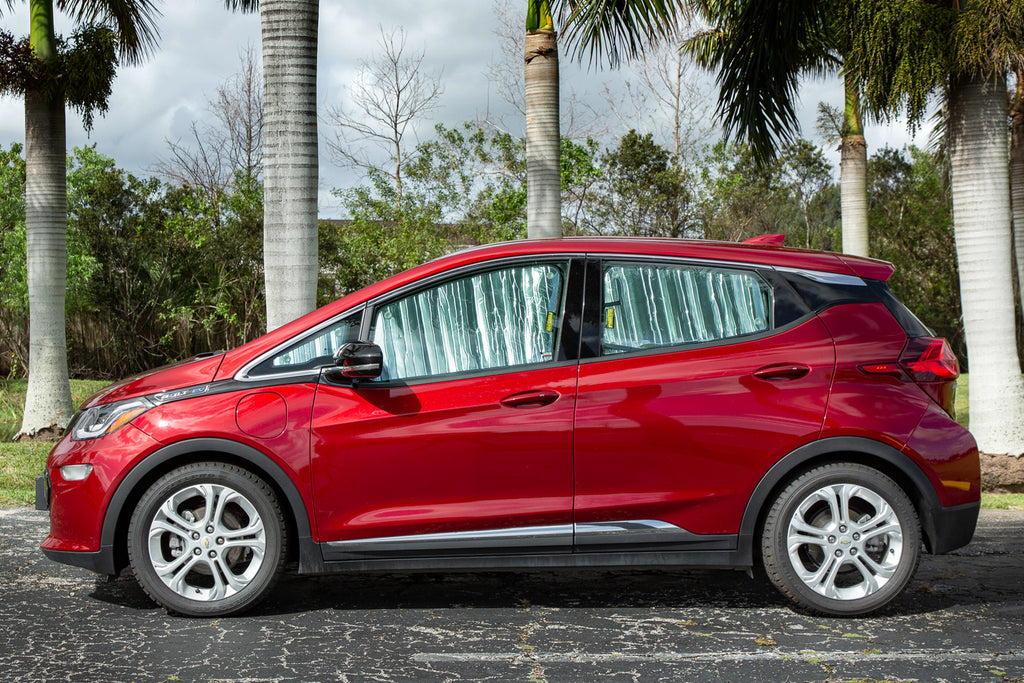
(207, 539)
(842, 539)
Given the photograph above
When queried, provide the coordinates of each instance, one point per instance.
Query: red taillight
(933, 366)
(930, 360)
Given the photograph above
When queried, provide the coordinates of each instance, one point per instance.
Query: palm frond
(613, 31)
(242, 5)
(133, 21)
(760, 48)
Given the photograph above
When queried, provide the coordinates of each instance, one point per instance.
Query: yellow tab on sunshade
(610, 315)
(551, 321)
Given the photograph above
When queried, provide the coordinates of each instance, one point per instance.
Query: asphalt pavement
(961, 620)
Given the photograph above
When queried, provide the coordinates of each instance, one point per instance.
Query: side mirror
(359, 360)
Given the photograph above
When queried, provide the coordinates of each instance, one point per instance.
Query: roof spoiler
(773, 240)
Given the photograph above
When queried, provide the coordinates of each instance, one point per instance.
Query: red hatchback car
(562, 403)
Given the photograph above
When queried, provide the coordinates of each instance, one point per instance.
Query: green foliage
(738, 198)
(1005, 501)
(905, 52)
(898, 52)
(82, 72)
(647, 195)
(155, 273)
(467, 186)
(158, 273)
(910, 212)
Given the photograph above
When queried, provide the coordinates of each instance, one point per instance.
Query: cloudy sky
(201, 46)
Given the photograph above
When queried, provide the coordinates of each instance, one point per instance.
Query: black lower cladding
(43, 491)
(952, 527)
(101, 561)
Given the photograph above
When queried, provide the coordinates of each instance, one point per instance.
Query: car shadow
(939, 584)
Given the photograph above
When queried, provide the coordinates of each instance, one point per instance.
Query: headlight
(103, 420)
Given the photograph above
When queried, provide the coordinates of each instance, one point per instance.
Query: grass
(21, 463)
(960, 405)
(12, 401)
(1002, 501)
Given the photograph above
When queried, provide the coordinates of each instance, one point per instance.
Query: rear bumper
(43, 490)
(949, 528)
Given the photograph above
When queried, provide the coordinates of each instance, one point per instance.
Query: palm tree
(290, 154)
(760, 49)
(607, 29)
(904, 53)
(1017, 176)
(130, 23)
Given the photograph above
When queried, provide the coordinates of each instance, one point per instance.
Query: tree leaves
(83, 71)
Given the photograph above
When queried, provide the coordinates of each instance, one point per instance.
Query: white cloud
(200, 48)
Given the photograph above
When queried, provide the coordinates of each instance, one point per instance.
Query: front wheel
(841, 539)
(207, 539)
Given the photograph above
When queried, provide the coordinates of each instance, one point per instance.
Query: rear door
(698, 377)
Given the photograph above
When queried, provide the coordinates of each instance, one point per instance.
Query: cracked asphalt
(961, 620)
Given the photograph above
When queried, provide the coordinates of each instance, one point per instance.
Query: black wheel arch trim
(939, 536)
(110, 560)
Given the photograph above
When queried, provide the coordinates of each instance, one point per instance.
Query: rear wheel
(841, 539)
(207, 539)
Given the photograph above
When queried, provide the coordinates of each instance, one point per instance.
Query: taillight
(934, 367)
(930, 360)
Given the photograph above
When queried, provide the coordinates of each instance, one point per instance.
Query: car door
(697, 383)
(464, 444)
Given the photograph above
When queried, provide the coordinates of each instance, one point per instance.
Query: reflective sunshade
(500, 318)
(651, 305)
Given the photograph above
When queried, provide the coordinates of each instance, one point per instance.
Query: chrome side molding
(551, 538)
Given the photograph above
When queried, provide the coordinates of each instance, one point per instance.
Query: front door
(464, 444)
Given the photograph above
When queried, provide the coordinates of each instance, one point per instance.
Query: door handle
(530, 399)
(782, 373)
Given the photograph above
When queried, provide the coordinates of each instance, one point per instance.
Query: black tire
(836, 563)
(207, 564)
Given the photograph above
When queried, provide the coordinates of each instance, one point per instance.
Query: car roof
(722, 252)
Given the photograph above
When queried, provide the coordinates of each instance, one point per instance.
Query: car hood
(187, 373)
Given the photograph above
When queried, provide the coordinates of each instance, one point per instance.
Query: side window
(649, 306)
(497, 319)
(312, 352)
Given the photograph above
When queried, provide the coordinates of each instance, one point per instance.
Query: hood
(187, 373)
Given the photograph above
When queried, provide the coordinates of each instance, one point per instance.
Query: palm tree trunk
(48, 401)
(543, 139)
(981, 215)
(290, 158)
(1017, 178)
(853, 176)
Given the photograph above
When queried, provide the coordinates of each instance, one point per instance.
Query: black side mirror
(359, 360)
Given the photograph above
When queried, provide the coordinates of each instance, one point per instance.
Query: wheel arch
(114, 533)
(907, 474)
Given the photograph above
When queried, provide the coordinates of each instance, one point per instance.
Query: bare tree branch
(392, 92)
(233, 144)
